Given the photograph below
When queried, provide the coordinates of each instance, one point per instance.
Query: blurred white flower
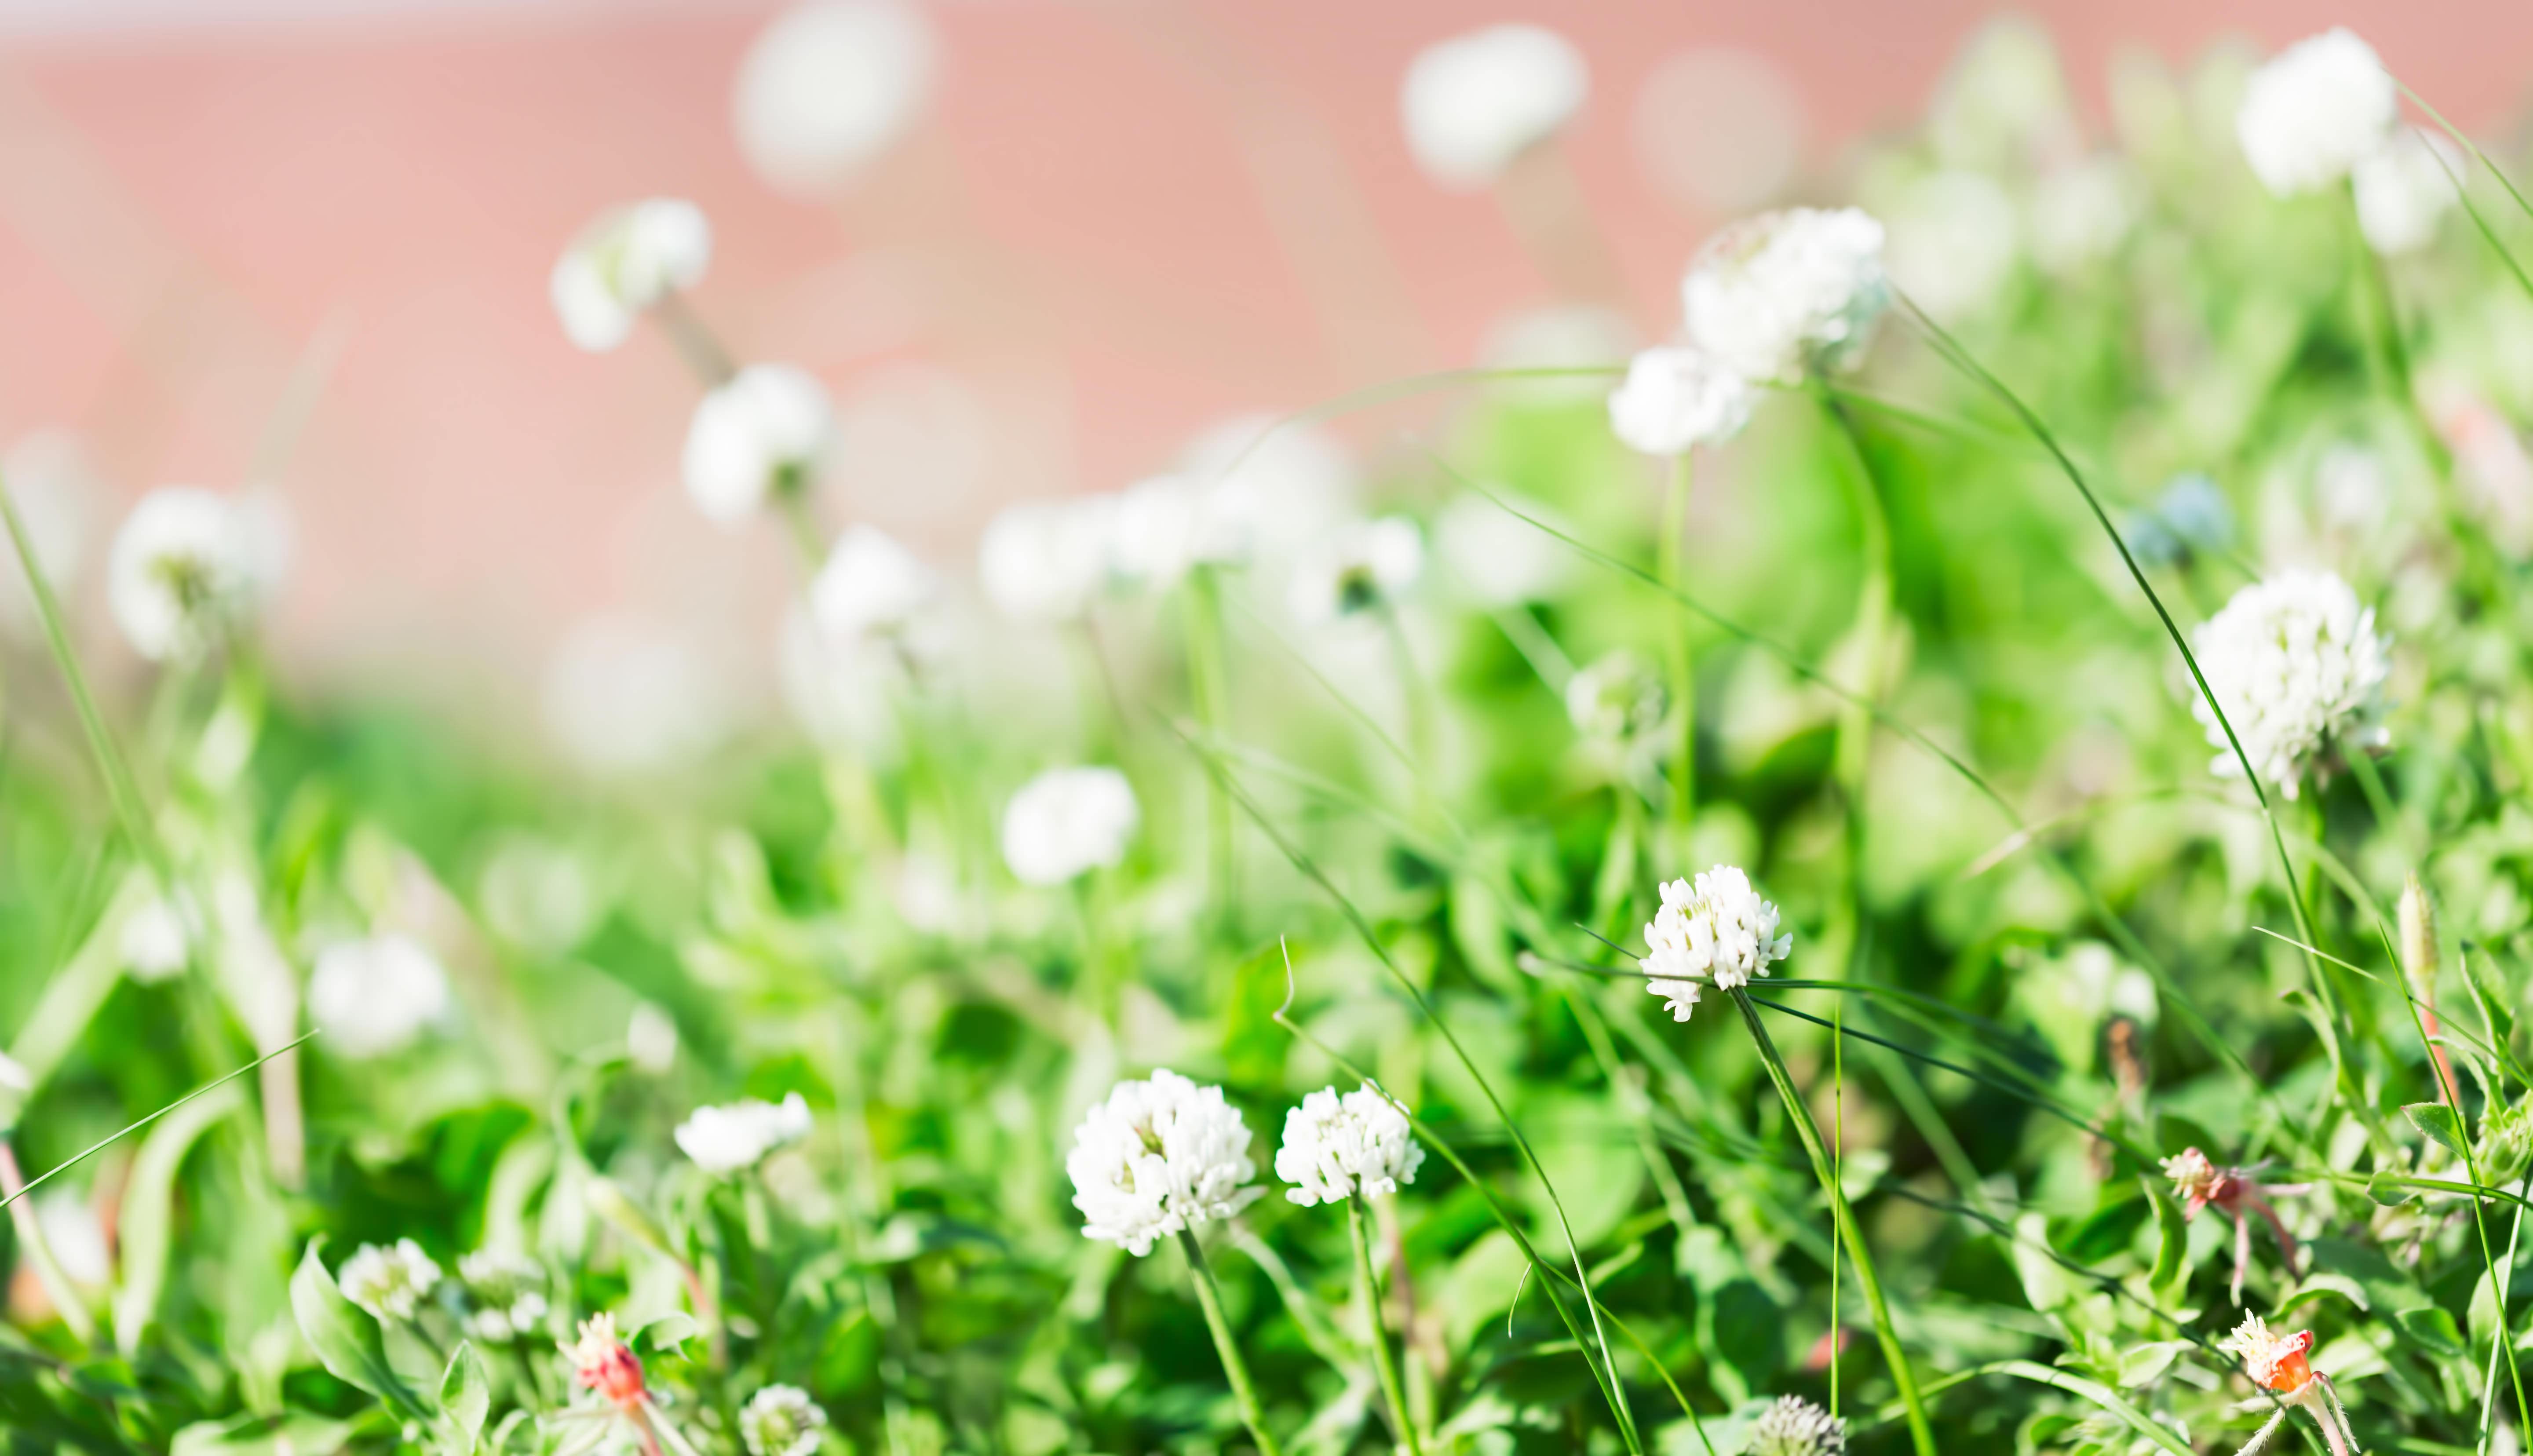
(1268, 484)
(2404, 189)
(158, 941)
(1776, 294)
(1047, 560)
(1068, 822)
(1167, 525)
(508, 1290)
(373, 997)
(1954, 240)
(781, 1420)
(188, 566)
(626, 693)
(1793, 1427)
(1715, 930)
(725, 1140)
(1675, 398)
(1158, 1156)
(764, 433)
(1474, 102)
(651, 1038)
(2003, 105)
(76, 1235)
(2315, 111)
(828, 86)
(1619, 699)
(870, 587)
(2080, 212)
(539, 895)
(53, 484)
(624, 261)
(390, 1282)
(1580, 337)
(840, 692)
(1335, 1147)
(2298, 667)
(14, 1075)
(1496, 558)
(1365, 565)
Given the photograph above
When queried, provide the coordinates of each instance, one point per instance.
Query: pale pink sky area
(1120, 221)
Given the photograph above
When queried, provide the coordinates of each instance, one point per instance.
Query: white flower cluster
(389, 1282)
(781, 1420)
(2316, 110)
(870, 586)
(374, 997)
(763, 433)
(1617, 700)
(1048, 561)
(624, 262)
(725, 1140)
(1357, 568)
(1793, 1427)
(1716, 931)
(158, 939)
(1784, 292)
(2404, 188)
(1474, 102)
(1337, 1147)
(1675, 398)
(1158, 1156)
(508, 1290)
(192, 566)
(1068, 822)
(2299, 669)
(830, 85)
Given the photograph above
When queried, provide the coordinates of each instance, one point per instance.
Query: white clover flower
(1158, 1156)
(2404, 189)
(375, 995)
(828, 86)
(762, 434)
(390, 1282)
(1783, 292)
(1619, 699)
(1166, 526)
(651, 1038)
(1362, 566)
(1047, 560)
(725, 1140)
(1269, 485)
(1494, 557)
(2315, 111)
(158, 941)
(1793, 1427)
(1068, 822)
(187, 569)
(1335, 1147)
(1715, 930)
(1474, 102)
(781, 1420)
(624, 261)
(1675, 398)
(870, 587)
(2298, 667)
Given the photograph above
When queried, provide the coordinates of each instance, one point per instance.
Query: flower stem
(1921, 1434)
(1385, 1364)
(1207, 686)
(1683, 683)
(1209, 1297)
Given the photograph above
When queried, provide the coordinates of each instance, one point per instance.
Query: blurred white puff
(870, 587)
(1474, 102)
(1358, 567)
(376, 996)
(765, 432)
(189, 565)
(2315, 111)
(1068, 822)
(1496, 558)
(623, 263)
(2405, 188)
(828, 86)
(1047, 560)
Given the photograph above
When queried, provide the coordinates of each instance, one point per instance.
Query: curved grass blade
(109, 1140)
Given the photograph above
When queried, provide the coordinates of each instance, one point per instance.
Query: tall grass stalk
(1668, 551)
(1384, 1362)
(1209, 1297)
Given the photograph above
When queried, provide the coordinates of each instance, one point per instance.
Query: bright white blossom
(390, 1282)
(1675, 398)
(1166, 526)
(781, 1420)
(1793, 1427)
(1047, 560)
(1783, 292)
(1619, 699)
(624, 261)
(725, 1140)
(1357, 568)
(156, 940)
(2315, 111)
(188, 566)
(1337, 1147)
(870, 587)
(2404, 189)
(1716, 931)
(2299, 669)
(1159, 1156)
(373, 997)
(763, 433)
(828, 86)
(1068, 822)
(1474, 102)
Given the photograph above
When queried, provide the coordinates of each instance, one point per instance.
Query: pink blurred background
(1117, 222)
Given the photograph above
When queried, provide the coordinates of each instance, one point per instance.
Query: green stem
(1206, 684)
(1683, 682)
(1921, 1435)
(1209, 1297)
(1385, 1364)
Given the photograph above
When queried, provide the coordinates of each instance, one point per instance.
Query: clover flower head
(1793, 1427)
(188, 567)
(623, 264)
(2275, 1361)
(373, 997)
(1784, 292)
(828, 86)
(1618, 699)
(725, 1140)
(603, 1363)
(508, 1290)
(1676, 397)
(1717, 929)
(2298, 667)
(1047, 560)
(761, 434)
(389, 1282)
(2315, 111)
(2198, 1182)
(1474, 102)
(2404, 188)
(869, 587)
(1158, 1156)
(1357, 568)
(1337, 1147)
(158, 940)
(1068, 822)
(781, 1420)
(1165, 526)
